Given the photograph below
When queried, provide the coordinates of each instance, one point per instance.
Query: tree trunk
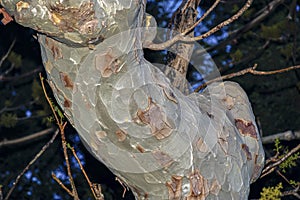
(162, 143)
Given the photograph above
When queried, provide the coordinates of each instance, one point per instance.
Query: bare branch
(125, 187)
(8, 52)
(31, 163)
(3, 78)
(180, 37)
(289, 192)
(260, 16)
(287, 136)
(30, 137)
(293, 192)
(251, 70)
(202, 17)
(62, 185)
(178, 63)
(96, 192)
(270, 168)
(61, 126)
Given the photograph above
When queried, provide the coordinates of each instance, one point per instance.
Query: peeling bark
(163, 143)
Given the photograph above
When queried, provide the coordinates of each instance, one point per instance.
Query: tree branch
(8, 52)
(261, 15)
(3, 78)
(31, 163)
(180, 37)
(96, 191)
(5, 143)
(62, 185)
(270, 168)
(202, 17)
(287, 136)
(61, 125)
(251, 70)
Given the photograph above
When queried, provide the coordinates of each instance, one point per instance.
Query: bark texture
(162, 143)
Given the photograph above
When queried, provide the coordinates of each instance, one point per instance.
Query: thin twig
(7, 109)
(284, 178)
(4, 142)
(61, 184)
(49, 102)
(30, 163)
(21, 76)
(289, 192)
(125, 188)
(251, 70)
(202, 17)
(293, 192)
(221, 25)
(61, 126)
(98, 191)
(63, 141)
(8, 52)
(180, 37)
(270, 168)
(287, 136)
(259, 17)
(85, 175)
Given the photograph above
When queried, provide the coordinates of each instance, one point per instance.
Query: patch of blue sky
(13, 93)
(81, 158)
(56, 196)
(212, 40)
(28, 174)
(29, 193)
(224, 34)
(61, 175)
(196, 85)
(228, 48)
(36, 180)
(28, 113)
(75, 139)
(197, 76)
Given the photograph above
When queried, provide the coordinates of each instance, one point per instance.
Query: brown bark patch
(108, 64)
(174, 187)
(21, 5)
(55, 50)
(257, 169)
(68, 83)
(245, 148)
(156, 119)
(140, 148)
(101, 134)
(67, 103)
(215, 187)
(201, 146)
(199, 187)
(121, 135)
(70, 18)
(162, 158)
(256, 172)
(246, 128)
(89, 27)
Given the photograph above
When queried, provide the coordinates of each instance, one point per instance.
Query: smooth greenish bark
(162, 143)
